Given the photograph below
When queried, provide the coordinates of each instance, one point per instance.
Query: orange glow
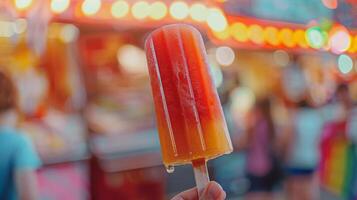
(331, 4)
(239, 32)
(222, 35)
(353, 46)
(300, 39)
(286, 37)
(255, 34)
(271, 35)
(339, 39)
(158, 10)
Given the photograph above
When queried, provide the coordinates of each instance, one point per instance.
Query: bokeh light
(271, 35)
(59, 6)
(281, 58)
(20, 26)
(120, 9)
(216, 20)
(331, 4)
(132, 59)
(243, 99)
(345, 64)
(179, 10)
(286, 37)
(23, 4)
(140, 10)
(239, 31)
(300, 39)
(158, 10)
(6, 29)
(222, 35)
(69, 33)
(91, 7)
(255, 34)
(340, 40)
(198, 12)
(315, 37)
(225, 55)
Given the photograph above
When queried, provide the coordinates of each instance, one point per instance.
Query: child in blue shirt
(18, 158)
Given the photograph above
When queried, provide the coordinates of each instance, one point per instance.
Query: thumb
(214, 191)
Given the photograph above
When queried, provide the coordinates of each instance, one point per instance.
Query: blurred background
(285, 70)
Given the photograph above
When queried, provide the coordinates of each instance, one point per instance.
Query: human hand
(213, 191)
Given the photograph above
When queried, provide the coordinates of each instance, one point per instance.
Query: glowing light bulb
(222, 35)
(140, 10)
(299, 38)
(216, 20)
(315, 37)
(345, 64)
(158, 10)
(331, 4)
(255, 33)
(286, 37)
(281, 58)
(340, 40)
(271, 35)
(69, 33)
(179, 10)
(119, 9)
(239, 31)
(198, 12)
(23, 4)
(59, 6)
(225, 55)
(91, 7)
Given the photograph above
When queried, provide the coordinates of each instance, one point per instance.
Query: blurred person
(338, 148)
(303, 150)
(213, 191)
(263, 168)
(18, 157)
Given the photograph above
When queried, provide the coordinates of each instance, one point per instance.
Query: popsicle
(190, 121)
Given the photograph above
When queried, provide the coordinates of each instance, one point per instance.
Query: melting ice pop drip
(189, 116)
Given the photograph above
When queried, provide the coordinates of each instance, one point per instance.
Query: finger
(214, 191)
(190, 194)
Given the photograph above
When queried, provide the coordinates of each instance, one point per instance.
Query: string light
(140, 10)
(179, 10)
(345, 64)
(198, 12)
(340, 40)
(239, 31)
(271, 35)
(286, 37)
(255, 34)
(216, 20)
(299, 38)
(225, 55)
(59, 6)
(158, 10)
(23, 4)
(315, 37)
(91, 7)
(119, 9)
(222, 35)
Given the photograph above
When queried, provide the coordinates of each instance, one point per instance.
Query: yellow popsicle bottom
(190, 145)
